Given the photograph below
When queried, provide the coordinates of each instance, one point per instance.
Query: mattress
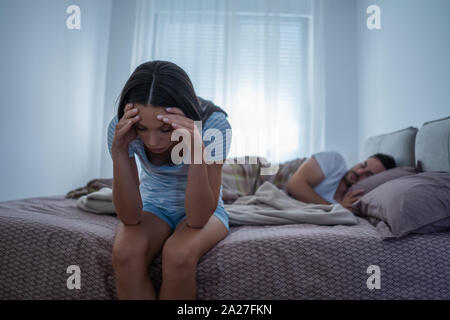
(42, 237)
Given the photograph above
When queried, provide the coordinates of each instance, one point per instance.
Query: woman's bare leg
(134, 249)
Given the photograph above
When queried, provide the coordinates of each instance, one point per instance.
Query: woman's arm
(126, 196)
(134, 169)
(204, 180)
(202, 193)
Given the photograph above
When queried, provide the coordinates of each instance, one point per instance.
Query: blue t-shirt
(334, 168)
(164, 186)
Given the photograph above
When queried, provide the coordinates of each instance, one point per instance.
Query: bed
(42, 237)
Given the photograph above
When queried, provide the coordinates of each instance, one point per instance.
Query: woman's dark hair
(164, 84)
(387, 161)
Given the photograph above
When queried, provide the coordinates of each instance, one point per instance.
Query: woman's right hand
(125, 132)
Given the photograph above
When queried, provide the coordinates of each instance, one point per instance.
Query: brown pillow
(378, 179)
(417, 203)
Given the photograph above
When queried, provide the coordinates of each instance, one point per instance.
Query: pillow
(283, 174)
(399, 144)
(417, 203)
(242, 176)
(239, 177)
(374, 181)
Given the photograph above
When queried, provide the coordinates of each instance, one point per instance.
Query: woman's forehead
(149, 108)
(148, 116)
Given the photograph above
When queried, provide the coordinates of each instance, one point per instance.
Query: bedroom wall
(404, 68)
(341, 127)
(118, 70)
(49, 85)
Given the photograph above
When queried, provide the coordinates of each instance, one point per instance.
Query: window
(254, 65)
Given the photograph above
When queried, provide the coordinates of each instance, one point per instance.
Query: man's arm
(302, 182)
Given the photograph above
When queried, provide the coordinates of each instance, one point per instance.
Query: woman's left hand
(178, 120)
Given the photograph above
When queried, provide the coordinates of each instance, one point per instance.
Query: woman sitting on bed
(175, 208)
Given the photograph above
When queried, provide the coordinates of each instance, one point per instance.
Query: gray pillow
(378, 179)
(417, 203)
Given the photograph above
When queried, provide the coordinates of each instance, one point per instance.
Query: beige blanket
(271, 205)
(99, 202)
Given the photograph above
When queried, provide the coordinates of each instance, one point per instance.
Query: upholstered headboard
(399, 144)
(433, 145)
(430, 145)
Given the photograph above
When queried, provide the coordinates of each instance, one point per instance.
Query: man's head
(374, 164)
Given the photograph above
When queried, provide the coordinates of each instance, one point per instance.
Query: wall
(118, 71)
(404, 68)
(49, 84)
(341, 127)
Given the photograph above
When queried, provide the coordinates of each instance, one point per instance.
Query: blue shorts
(175, 217)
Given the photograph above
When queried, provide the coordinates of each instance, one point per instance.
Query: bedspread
(42, 237)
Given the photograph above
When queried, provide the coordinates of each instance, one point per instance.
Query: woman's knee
(177, 258)
(130, 255)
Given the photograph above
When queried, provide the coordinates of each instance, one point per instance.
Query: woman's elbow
(131, 222)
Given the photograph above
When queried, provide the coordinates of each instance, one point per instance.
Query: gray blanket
(99, 202)
(271, 205)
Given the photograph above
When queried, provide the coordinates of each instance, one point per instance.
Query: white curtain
(257, 59)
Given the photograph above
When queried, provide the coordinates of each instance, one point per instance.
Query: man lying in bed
(325, 179)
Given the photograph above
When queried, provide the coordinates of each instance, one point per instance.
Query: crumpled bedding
(271, 205)
(99, 202)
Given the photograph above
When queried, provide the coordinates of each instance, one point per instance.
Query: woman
(175, 208)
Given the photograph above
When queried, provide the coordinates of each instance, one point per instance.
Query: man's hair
(387, 160)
